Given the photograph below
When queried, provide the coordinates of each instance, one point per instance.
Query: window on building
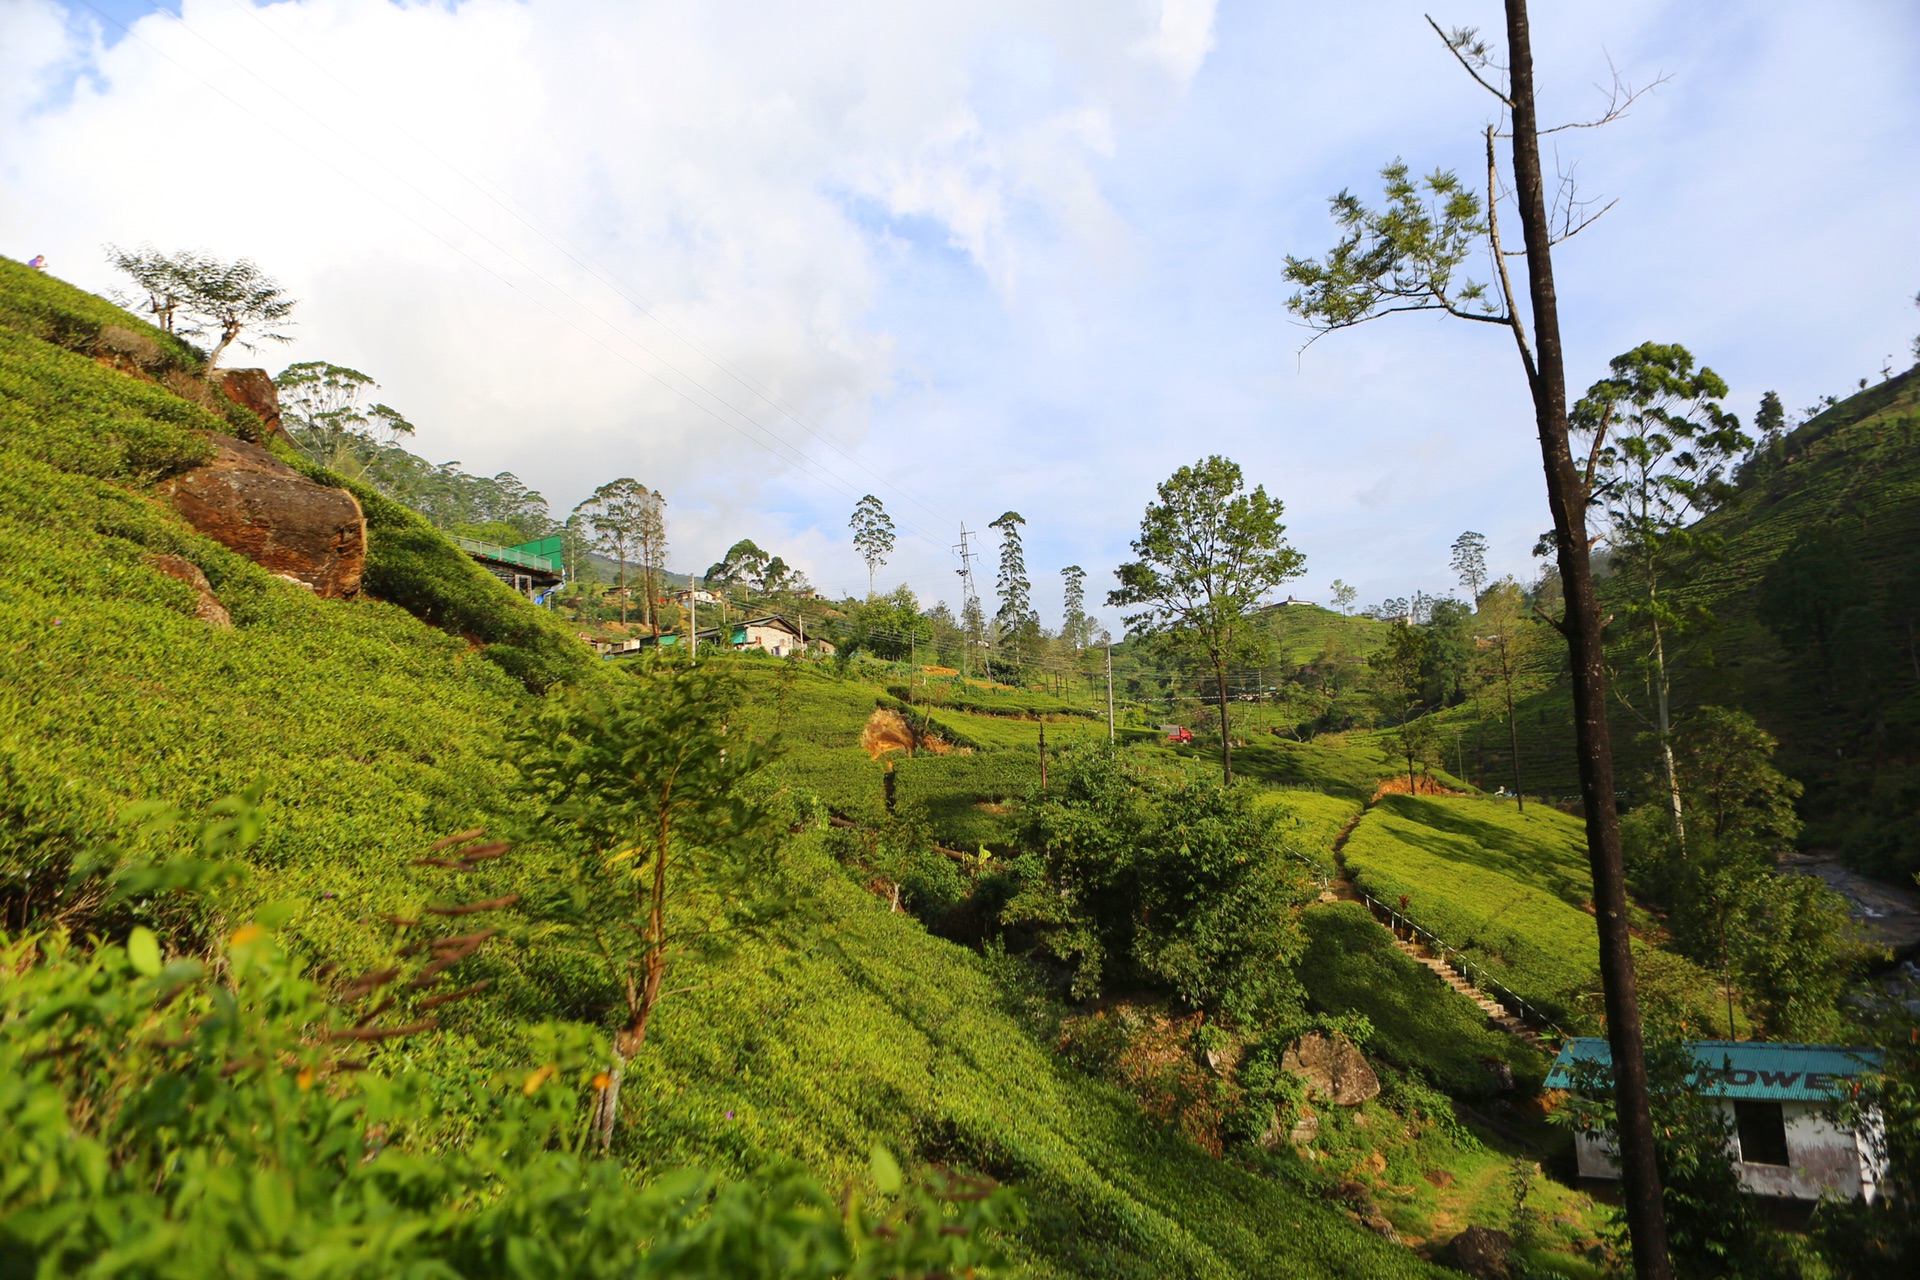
(1763, 1132)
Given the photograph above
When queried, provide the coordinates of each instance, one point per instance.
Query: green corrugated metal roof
(547, 549)
(1746, 1069)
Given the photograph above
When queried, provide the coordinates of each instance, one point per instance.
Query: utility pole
(1043, 757)
(967, 595)
(1109, 693)
(693, 623)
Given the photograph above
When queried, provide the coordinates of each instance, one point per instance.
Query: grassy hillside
(1419, 1022)
(374, 725)
(1508, 890)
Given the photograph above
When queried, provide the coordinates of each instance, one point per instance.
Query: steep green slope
(371, 732)
(1509, 892)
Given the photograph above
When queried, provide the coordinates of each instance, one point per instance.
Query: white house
(771, 633)
(776, 635)
(1775, 1098)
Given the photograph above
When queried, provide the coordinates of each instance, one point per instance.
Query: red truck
(1179, 736)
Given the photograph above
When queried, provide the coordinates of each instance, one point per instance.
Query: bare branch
(1500, 260)
(383, 1033)
(1454, 46)
(468, 908)
(1620, 99)
(1586, 222)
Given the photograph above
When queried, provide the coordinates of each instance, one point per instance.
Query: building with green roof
(1777, 1099)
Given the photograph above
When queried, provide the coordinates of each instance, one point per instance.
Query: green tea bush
(1508, 891)
(160, 1123)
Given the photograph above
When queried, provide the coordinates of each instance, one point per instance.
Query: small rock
(1305, 1129)
(1333, 1067)
(1439, 1177)
(1481, 1252)
(208, 608)
(1501, 1071)
(1377, 1223)
(129, 348)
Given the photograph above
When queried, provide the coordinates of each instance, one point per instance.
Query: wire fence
(1453, 957)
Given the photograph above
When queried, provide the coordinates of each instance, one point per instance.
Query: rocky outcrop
(208, 608)
(253, 389)
(1481, 1252)
(249, 500)
(1334, 1069)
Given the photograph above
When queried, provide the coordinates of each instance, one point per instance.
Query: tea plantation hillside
(367, 728)
(1508, 892)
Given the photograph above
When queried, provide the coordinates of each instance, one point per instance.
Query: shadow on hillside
(1337, 770)
(1518, 847)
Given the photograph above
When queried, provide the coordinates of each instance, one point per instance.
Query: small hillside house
(771, 633)
(1775, 1096)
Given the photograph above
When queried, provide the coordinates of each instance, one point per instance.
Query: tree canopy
(1209, 552)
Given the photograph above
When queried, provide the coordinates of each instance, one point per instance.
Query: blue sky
(1001, 256)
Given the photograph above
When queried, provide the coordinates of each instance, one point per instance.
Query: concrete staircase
(1496, 1014)
(1344, 889)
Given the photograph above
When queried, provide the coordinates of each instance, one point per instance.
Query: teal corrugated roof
(1745, 1069)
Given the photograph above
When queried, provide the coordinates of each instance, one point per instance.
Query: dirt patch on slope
(1426, 786)
(887, 730)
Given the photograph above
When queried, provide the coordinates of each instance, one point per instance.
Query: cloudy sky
(968, 256)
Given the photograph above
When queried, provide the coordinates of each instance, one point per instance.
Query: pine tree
(1075, 625)
(1470, 563)
(1016, 617)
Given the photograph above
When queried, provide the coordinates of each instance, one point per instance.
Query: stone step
(1496, 1012)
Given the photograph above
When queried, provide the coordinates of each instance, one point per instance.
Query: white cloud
(1005, 254)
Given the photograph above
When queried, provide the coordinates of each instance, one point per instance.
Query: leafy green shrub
(1183, 884)
(160, 1123)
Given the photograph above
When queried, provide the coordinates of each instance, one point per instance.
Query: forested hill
(1808, 587)
(1815, 592)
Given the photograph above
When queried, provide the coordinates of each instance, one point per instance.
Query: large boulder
(249, 500)
(1481, 1252)
(1333, 1067)
(254, 389)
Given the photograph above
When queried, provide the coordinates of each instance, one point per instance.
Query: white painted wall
(1821, 1158)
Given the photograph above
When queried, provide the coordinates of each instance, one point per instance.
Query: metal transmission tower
(969, 599)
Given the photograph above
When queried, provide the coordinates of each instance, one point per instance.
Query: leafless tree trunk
(1567, 496)
(1226, 740)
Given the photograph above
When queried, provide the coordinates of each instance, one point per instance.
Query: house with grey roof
(1778, 1100)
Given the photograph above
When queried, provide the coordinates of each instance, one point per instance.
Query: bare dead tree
(1409, 258)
